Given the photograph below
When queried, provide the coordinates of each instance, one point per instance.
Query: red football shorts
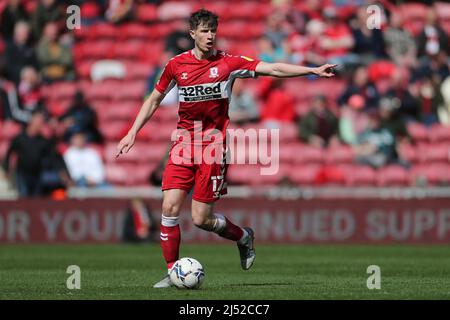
(187, 167)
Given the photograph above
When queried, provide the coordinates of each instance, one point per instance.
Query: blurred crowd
(395, 74)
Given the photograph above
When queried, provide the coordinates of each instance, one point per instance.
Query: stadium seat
(358, 175)
(131, 50)
(173, 10)
(146, 13)
(408, 152)
(9, 129)
(437, 152)
(113, 131)
(243, 174)
(417, 131)
(307, 154)
(4, 145)
(90, 10)
(439, 133)
(436, 174)
(339, 154)
(305, 174)
(442, 10)
(288, 132)
(135, 31)
(117, 174)
(130, 91)
(137, 71)
(102, 31)
(393, 175)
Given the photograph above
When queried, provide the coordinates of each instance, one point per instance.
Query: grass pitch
(280, 272)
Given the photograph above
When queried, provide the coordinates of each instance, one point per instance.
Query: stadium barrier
(274, 221)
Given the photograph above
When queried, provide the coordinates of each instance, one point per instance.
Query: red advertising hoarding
(280, 221)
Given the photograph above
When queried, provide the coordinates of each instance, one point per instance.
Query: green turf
(280, 272)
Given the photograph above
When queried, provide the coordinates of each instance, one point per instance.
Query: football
(187, 273)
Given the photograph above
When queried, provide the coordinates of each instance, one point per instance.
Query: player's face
(204, 37)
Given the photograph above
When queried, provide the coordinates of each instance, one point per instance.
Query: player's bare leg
(204, 217)
(170, 230)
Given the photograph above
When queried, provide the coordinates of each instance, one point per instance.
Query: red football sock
(231, 231)
(170, 239)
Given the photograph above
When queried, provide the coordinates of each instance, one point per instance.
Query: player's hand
(125, 144)
(327, 70)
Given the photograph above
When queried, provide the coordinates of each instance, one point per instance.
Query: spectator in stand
(31, 148)
(337, 40)
(13, 13)
(402, 90)
(29, 90)
(319, 127)
(80, 117)
(368, 43)
(84, 163)
(400, 45)
(353, 120)
(19, 53)
(269, 53)
(430, 100)
(171, 98)
(306, 48)
(279, 103)
(54, 58)
(242, 108)
(376, 146)
(274, 29)
(47, 11)
(179, 40)
(391, 119)
(432, 39)
(19, 104)
(119, 11)
(361, 85)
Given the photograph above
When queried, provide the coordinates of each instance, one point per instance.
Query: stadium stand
(138, 45)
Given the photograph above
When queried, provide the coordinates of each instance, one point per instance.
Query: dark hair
(204, 17)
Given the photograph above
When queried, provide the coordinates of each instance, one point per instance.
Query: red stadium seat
(132, 91)
(339, 154)
(436, 174)
(242, 174)
(408, 152)
(417, 131)
(118, 174)
(146, 13)
(305, 174)
(442, 10)
(104, 31)
(90, 10)
(439, 133)
(393, 175)
(307, 154)
(135, 31)
(438, 152)
(137, 71)
(358, 175)
(9, 129)
(128, 50)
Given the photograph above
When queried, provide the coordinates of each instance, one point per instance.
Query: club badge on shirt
(213, 72)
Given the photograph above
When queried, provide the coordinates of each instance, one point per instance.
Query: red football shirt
(204, 88)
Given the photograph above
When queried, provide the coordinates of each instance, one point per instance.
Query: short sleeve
(166, 82)
(242, 66)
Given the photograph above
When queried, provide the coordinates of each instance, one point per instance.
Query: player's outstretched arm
(145, 113)
(285, 70)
